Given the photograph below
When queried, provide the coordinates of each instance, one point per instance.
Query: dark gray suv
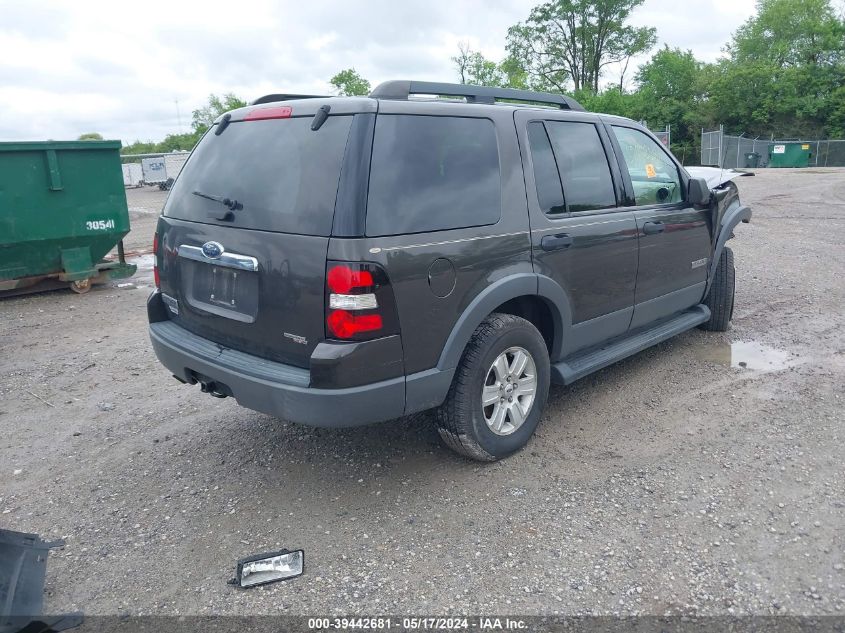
(341, 261)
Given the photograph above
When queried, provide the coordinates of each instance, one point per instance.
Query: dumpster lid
(23, 146)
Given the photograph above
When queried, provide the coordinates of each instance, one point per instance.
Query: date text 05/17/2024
(418, 623)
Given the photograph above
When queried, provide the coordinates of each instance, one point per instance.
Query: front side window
(653, 174)
(432, 173)
(582, 163)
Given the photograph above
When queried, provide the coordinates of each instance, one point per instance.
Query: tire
(81, 286)
(720, 299)
(462, 420)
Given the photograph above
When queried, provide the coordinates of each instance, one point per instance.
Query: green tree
(784, 72)
(611, 101)
(672, 90)
(139, 147)
(178, 142)
(202, 118)
(514, 72)
(90, 136)
(475, 69)
(571, 42)
(348, 83)
(790, 33)
(836, 121)
(671, 75)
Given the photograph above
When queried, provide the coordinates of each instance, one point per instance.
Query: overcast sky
(119, 67)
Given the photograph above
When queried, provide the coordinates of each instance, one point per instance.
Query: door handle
(652, 228)
(556, 242)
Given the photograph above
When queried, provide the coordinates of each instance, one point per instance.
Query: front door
(581, 238)
(674, 236)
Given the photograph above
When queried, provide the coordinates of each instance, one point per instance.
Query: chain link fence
(664, 136)
(711, 147)
(830, 153)
(728, 152)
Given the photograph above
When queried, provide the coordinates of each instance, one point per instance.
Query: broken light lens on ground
(272, 567)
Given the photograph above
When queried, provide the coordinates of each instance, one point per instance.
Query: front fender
(733, 216)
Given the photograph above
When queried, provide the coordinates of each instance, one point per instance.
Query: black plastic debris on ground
(23, 567)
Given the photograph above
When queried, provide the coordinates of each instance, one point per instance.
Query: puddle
(144, 263)
(143, 277)
(748, 355)
(144, 210)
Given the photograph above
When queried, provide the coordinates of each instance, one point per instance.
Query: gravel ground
(678, 481)
(145, 204)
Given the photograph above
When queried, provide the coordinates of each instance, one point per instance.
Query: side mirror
(698, 193)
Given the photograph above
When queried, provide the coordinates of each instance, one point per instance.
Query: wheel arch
(733, 216)
(529, 295)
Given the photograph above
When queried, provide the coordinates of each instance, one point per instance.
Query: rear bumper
(274, 388)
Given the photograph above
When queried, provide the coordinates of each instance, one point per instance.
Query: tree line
(782, 72)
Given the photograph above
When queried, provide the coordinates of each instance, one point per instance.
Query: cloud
(134, 71)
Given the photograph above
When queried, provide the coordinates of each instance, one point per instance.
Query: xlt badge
(296, 338)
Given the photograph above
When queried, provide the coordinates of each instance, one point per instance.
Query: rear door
(581, 236)
(674, 240)
(244, 233)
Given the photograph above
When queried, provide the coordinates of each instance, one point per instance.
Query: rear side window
(546, 177)
(584, 172)
(283, 175)
(653, 174)
(432, 173)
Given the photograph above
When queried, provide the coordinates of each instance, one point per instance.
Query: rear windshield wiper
(233, 204)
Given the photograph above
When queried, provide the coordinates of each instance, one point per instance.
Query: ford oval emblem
(212, 250)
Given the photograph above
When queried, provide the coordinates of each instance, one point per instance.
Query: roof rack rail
(473, 94)
(284, 97)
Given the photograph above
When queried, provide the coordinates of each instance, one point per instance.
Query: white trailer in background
(173, 163)
(154, 170)
(157, 169)
(133, 174)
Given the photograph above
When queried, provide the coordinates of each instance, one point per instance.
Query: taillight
(342, 279)
(155, 261)
(359, 302)
(345, 324)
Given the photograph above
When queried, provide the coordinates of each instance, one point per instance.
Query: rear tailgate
(244, 234)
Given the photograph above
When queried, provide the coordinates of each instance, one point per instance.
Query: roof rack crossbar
(285, 97)
(401, 90)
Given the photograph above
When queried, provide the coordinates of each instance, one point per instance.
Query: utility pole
(178, 115)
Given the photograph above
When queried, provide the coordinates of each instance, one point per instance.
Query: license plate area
(220, 290)
(224, 283)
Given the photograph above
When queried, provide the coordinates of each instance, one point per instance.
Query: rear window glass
(432, 173)
(549, 193)
(282, 174)
(582, 164)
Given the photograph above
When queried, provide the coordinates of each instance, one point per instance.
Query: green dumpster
(789, 154)
(62, 209)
